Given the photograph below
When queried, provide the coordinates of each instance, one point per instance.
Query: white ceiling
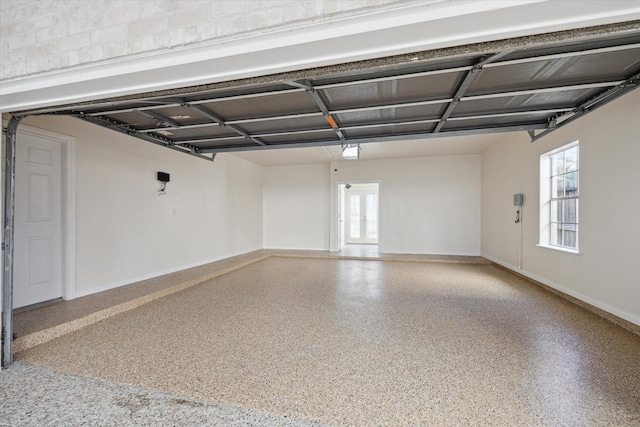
(449, 146)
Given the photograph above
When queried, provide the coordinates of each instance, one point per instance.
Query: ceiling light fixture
(351, 152)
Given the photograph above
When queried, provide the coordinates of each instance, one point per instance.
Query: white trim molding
(584, 298)
(132, 280)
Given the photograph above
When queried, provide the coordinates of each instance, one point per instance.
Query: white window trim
(545, 200)
(560, 248)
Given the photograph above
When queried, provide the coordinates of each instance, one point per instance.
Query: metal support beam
(381, 125)
(354, 141)
(212, 139)
(319, 101)
(391, 106)
(373, 125)
(233, 122)
(192, 151)
(468, 79)
(181, 127)
(208, 114)
(546, 111)
(7, 243)
(126, 110)
(160, 119)
(291, 132)
(173, 102)
(513, 93)
(220, 122)
(600, 100)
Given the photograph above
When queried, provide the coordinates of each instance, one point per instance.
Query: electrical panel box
(518, 199)
(163, 177)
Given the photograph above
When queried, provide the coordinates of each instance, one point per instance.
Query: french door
(362, 217)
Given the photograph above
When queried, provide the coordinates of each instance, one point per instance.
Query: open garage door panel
(533, 84)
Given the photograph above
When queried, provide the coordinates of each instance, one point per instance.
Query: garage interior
(411, 335)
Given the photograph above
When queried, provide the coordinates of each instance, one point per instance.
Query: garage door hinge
(15, 335)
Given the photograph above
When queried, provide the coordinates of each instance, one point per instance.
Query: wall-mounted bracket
(163, 177)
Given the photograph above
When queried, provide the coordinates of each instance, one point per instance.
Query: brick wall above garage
(39, 36)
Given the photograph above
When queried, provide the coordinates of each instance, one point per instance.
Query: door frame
(336, 237)
(68, 145)
(362, 193)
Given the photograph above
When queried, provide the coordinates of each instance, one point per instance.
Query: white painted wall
(296, 207)
(126, 232)
(607, 272)
(428, 205)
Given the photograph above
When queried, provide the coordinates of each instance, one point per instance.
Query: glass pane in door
(354, 216)
(372, 216)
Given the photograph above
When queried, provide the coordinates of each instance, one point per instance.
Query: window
(559, 183)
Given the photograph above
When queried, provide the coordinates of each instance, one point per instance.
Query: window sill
(560, 249)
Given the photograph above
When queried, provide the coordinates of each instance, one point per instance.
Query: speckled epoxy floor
(31, 396)
(30, 320)
(348, 342)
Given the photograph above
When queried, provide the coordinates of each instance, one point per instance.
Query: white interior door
(361, 217)
(38, 221)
